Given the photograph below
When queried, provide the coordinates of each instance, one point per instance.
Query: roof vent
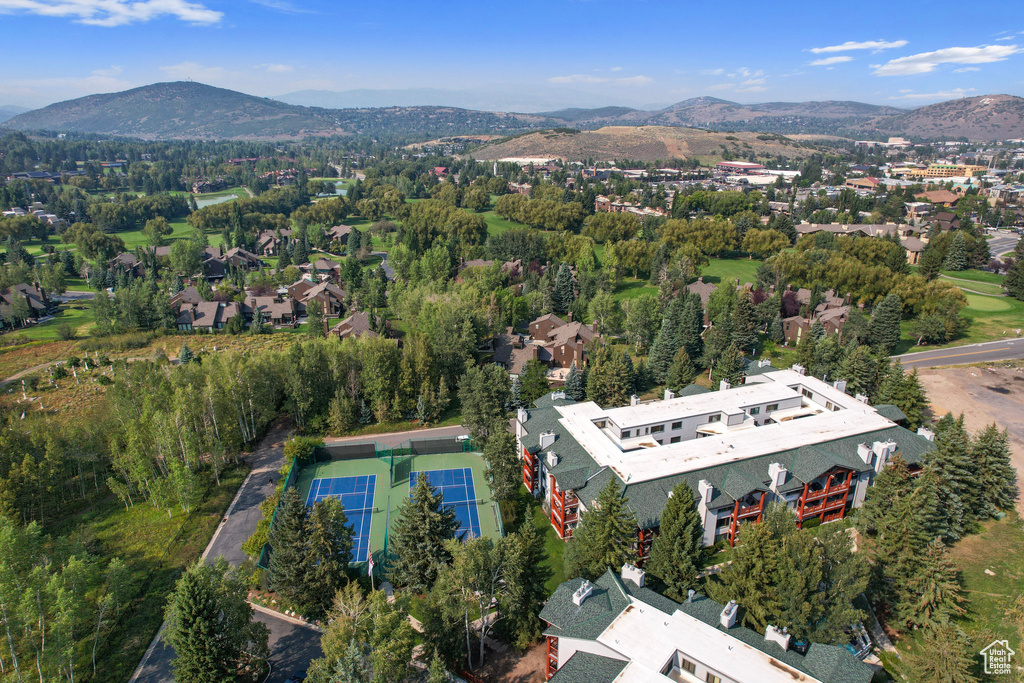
(780, 636)
(798, 369)
(764, 363)
(862, 398)
(728, 616)
(557, 395)
(547, 438)
(634, 574)
(724, 386)
(689, 595)
(840, 385)
(669, 394)
(926, 433)
(582, 593)
(551, 460)
(634, 400)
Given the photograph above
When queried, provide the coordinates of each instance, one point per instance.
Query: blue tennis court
(457, 488)
(356, 495)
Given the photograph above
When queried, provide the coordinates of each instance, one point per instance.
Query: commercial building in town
(781, 436)
(616, 629)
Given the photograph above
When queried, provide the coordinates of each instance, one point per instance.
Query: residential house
(39, 305)
(943, 197)
(279, 312)
(617, 629)
(356, 325)
(207, 316)
(330, 296)
(339, 233)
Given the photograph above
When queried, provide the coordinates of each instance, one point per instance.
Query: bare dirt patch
(984, 394)
(511, 667)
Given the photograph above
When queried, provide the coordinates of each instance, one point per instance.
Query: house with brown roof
(339, 233)
(39, 305)
(126, 262)
(356, 325)
(189, 295)
(944, 197)
(207, 315)
(330, 296)
(275, 311)
(242, 259)
(913, 246)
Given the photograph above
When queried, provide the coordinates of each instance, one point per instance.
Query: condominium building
(616, 629)
(781, 436)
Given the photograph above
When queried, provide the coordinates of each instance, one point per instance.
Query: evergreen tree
(365, 414)
(744, 333)
(950, 460)
(956, 255)
(997, 479)
(1014, 280)
(729, 367)
(677, 550)
(884, 328)
(775, 332)
(604, 536)
(515, 399)
(534, 381)
(565, 289)
(185, 355)
(483, 393)
(859, 369)
(178, 285)
(896, 261)
(936, 585)
(682, 372)
(328, 549)
(287, 541)
(525, 574)
(503, 470)
(905, 392)
(315, 319)
(609, 380)
(692, 325)
(418, 534)
(210, 627)
(944, 655)
(300, 254)
(667, 341)
(284, 259)
(574, 387)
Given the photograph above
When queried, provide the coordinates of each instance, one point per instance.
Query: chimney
(840, 385)
(634, 400)
(582, 593)
(705, 490)
(551, 459)
(724, 386)
(669, 394)
(777, 635)
(522, 415)
(884, 451)
(570, 316)
(926, 433)
(864, 452)
(689, 595)
(777, 475)
(327, 330)
(634, 574)
(798, 369)
(862, 398)
(764, 363)
(547, 438)
(557, 395)
(728, 616)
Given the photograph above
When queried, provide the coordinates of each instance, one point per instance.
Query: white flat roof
(649, 638)
(732, 401)
(671, 459)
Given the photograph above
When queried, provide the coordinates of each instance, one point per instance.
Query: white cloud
(942, 95)
(925, 62)
(966, 69)
(633, 80)
(113, 12)
(712, 72)
(616, 68)
(831, 60)
(277, 68)
(865, 45)
(110, 73)
(282, 6)
(198, 72)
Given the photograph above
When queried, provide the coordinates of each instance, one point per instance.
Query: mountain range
(9, 111)
(188, 110)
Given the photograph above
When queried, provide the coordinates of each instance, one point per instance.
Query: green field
(991, 318)
(388, 497)
(975, 276)
(744, 270)
(631, 289)
(78, 315)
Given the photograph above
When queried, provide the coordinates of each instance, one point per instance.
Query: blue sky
(632, 52)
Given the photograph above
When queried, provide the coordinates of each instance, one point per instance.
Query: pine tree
(682, 372)
(210, 627)
(525, 574)
(515, 398)
(287, 541)
(884, 328)
(609, 381)
(328, 549)
(418, 534)
(944, 655)
(744, 333)
(185, 355)
(997, 479)
(534, 381)
(691, 325)
(896, 261)
(859, 369)
(301, 254)
(950, 460)
(956, 256)
(604, 536)
(365, 414)
(284, 259)
(729, 367)
(315, 319)
(667, 341)
(565, 289)
(936, 585)
(1014, 280)
(677, 550)
(178, 285)
(503, 471)
(574, 388)
(775, 332)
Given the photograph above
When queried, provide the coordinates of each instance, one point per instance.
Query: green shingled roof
(891, 412)
(692, 390)
(584, 667)
(836, 665)
(589, 620)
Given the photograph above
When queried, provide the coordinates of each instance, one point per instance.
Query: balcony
(825, 506)
(817, 495)
(749, 511)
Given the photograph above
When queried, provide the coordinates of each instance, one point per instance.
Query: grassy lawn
(991, 318)
(718, 269)
(496, 224)
(975, 276)
(78, 315)
(631, 289)
(979, 287)
(156, 548)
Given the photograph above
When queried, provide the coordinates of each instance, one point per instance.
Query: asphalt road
(292, 645)
(1008, 349)
(1002, 243)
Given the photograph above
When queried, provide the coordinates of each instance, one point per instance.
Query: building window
(677, 425)
(771, 407)
(657, 429)
(714, 418)
(807, 392)
(625, 434)
(660, 442)
(755, 411)
(828, 405)
(687, 665)
(712, 678)
(675, 439)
